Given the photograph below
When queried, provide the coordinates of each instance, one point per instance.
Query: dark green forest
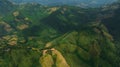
(33, 35)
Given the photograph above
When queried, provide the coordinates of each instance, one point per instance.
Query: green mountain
(81, 3)
(6, 7)
(32, 35)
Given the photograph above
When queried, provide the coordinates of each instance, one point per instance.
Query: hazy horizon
(47, 2)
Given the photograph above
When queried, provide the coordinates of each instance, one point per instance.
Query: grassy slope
(81, 43)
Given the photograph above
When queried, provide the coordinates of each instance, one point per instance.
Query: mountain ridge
(32, 35)
(83, 3)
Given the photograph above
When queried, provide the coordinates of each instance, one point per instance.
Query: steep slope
(89, 47)
(6, 7)
(68, 18)
(56, 59)
(112, 23)
(37, 36)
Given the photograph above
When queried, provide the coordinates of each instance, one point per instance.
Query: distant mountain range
(32, 35)
(67, 2)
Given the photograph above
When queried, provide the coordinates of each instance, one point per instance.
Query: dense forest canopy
(59, 34)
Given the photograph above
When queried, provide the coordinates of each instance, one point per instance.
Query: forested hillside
(34, 35)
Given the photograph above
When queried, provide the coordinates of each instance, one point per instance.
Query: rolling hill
(33, 35)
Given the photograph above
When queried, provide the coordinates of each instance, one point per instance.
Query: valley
(34, 35)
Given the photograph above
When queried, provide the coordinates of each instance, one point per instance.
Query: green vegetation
(32, 35)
